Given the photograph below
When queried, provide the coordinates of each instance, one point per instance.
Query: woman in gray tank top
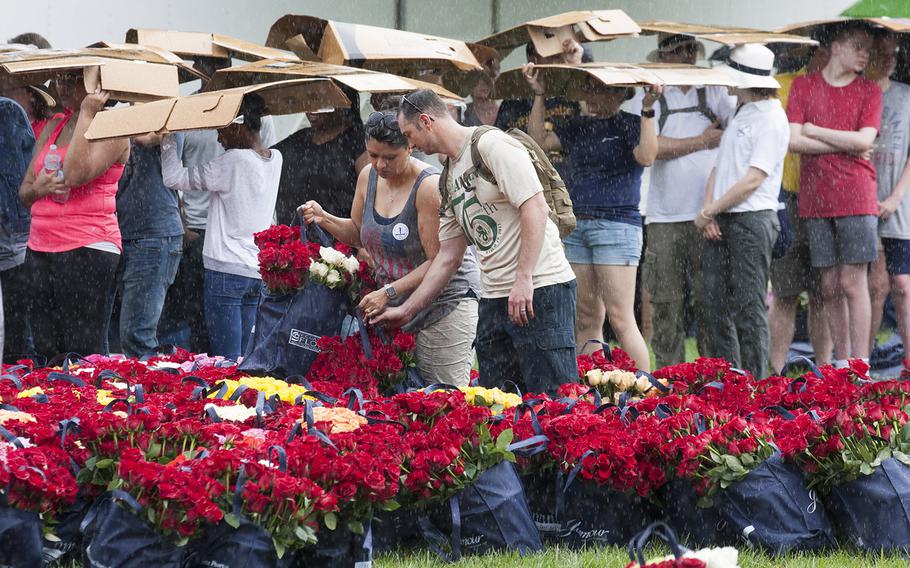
(395, 218)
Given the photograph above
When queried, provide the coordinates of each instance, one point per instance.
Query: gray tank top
(394, 244)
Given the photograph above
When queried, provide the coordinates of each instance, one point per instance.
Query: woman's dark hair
(382, 126)
(31, 38)
(764, 92)
(252, 108)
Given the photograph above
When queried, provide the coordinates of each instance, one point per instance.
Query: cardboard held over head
(723, 34)
(215, 109)
(360, 80)
(818, 28)
(548, 34)
(576, 82)
(148, 53)
(370, 47)
(125, 80)
(201, 44)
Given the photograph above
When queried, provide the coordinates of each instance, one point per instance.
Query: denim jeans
(147, 269)
(538, 357)
(230, 311)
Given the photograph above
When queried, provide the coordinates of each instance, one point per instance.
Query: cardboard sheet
(215, 109)
(575, 82)
(723, 34)
(360, 80)
(547, 34)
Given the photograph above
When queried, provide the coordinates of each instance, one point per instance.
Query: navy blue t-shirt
(606, 179)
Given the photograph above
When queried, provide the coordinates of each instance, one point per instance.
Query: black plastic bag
(113, 537)
(772, 509)
(540, 489)
(593, 515)
(340, 548)
(490, 514)
(698, 526)
(873, 511)
(68, 535)
(20, 538)
(288, 326)
(247, 546)
(392, 530)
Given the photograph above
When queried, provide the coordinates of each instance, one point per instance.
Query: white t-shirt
(243, 187)
(199, 147)
(489, 214)
(757, 137)
(677, 187)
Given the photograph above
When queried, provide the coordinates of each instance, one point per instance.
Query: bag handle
(801, 359)
(659, 529)
(109, 407)
(11, 438)
(664, 389)
(13, 379)
(319, 235)
(121, 495)
(434, 537)
(604, 346)
(282, 457)
(65, 377)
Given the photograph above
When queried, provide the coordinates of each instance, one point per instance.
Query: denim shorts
(897, 256)
(601, 241)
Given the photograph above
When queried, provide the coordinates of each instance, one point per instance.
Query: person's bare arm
(537, 129)
(850, 141)
(447, 260)
(534, 213)
(887, 207)
(670, 148)
(85, 160)
(646, 151)
(739, 192)
(802, 144)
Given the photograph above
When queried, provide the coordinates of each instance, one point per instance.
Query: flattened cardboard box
(721, 34)
(202, 44)
(547, 34)
(129, 81)
(360, 80)
(897, 25)
(215, 109)
(369, 47)
(574, 82)
(148, 53)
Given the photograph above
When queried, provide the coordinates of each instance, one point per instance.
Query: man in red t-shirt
(834, 117)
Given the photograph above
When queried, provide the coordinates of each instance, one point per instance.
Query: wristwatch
(647, 113)
(390, 291)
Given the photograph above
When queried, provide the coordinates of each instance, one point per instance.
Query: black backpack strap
(703, 104)
(664, 113)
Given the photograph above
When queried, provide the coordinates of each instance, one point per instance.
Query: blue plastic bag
(491, 514)
(873, 511)
(114, 537)
(772, 509)
(288, 326)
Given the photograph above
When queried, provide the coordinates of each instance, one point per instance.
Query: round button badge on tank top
(400, 231)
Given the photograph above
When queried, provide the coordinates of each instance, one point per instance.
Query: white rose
(726, 557)
(319, 269)
(333, 277)
(235, 413)
(351, 264)
(595, 377)
(331, 256)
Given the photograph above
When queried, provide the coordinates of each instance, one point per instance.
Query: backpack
(701, 107)
(554, 188)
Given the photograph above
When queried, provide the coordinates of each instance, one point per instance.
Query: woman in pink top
(74, 243)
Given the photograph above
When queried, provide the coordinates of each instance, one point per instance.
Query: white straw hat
(751, 66)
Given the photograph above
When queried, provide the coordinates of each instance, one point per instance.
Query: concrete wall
(69, 23)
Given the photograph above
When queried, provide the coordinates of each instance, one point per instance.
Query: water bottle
(53, 162)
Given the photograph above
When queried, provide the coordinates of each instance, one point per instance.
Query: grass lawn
(617, 557)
